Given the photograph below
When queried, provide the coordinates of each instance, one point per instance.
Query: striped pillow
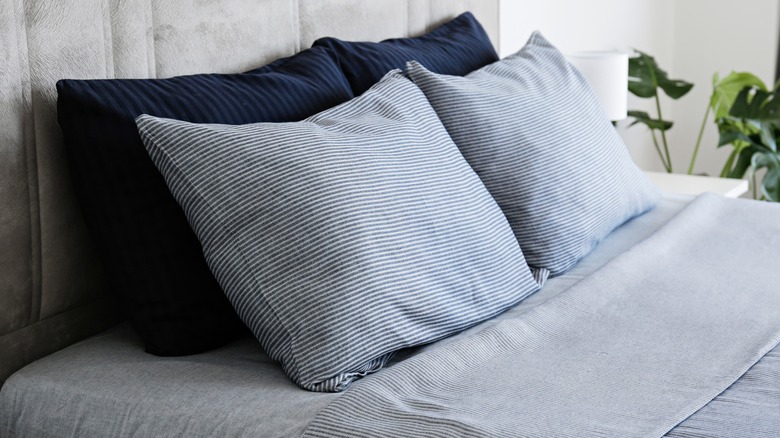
(347, 236)
(535, 133)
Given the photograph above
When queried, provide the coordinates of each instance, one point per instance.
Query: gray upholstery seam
(296, 6)
(153, 58)
(409, 26)
(497, 18)
(33, 182)
(82, 304)
(108, 41)
(429, 26)
(36, 351)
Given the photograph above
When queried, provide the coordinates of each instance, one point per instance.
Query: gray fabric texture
(108, 386)
(347, 236)
(749, 408)
(532, 128)
(632, 350)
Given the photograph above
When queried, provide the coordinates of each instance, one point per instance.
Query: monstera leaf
(645, 78)
(770, 186)
(740, 159)
(725, 91)
(751, 126)
(759, 111)
(645, 119)
(756, 104)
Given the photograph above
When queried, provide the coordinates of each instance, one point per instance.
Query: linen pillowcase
(153, 259)
(346, 237)
(532, 128)
(456, 48)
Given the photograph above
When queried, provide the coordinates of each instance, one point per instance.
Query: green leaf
(645, 78)
(743, 162)
(732, 137)
(726, 90)
(765, 160)
(641, 75)
(770, 187)
(726, 171)
(740, 158)
(756, 105)
(768, 136)
(751, 126)
(674, 88)
(645, 119)
(745, 126)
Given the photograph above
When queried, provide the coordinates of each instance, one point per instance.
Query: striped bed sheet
(107, 385)
(634, 349)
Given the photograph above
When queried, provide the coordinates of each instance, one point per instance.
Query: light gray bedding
(749, 408)
(632, 350)
(107, 385)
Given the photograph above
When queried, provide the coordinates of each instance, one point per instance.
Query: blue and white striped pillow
(347, 236)
(532, 128)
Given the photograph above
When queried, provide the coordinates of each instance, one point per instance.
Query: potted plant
(647, 80)
(747, 114)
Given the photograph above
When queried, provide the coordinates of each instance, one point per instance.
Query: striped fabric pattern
(455, 48)
(153, 259)
(347, 236)
(629, 351)
(533, 130)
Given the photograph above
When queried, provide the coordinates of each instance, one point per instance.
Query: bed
(665, 325)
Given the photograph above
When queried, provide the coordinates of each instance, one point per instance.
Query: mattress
(108, 386)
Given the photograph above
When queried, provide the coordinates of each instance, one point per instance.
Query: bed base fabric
(749, 408)
(107, 386)
(632, 350)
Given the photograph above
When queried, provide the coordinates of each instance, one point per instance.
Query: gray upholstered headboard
(51, 293)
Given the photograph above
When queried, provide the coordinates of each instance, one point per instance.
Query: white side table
(695, 184)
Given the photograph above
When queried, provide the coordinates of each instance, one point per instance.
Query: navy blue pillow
(457, 47)
(153, 259)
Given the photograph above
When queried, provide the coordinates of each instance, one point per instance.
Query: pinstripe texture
(153, 259)
(534, 132)
(454, 48)
(343, 238)
(749, 408)
(630, 351)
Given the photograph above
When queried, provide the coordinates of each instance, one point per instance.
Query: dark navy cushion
(152, 257)
(454, 48)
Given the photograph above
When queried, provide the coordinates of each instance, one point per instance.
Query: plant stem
(658, 149)
(755, 188)
(663, 134)
(729, 164)
(698, 140)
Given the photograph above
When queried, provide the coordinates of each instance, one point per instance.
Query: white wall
(689, 38)
(717, 36)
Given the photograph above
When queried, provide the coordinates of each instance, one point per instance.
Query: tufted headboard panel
(51, 289)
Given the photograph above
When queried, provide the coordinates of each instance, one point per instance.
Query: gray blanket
(632, 350)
